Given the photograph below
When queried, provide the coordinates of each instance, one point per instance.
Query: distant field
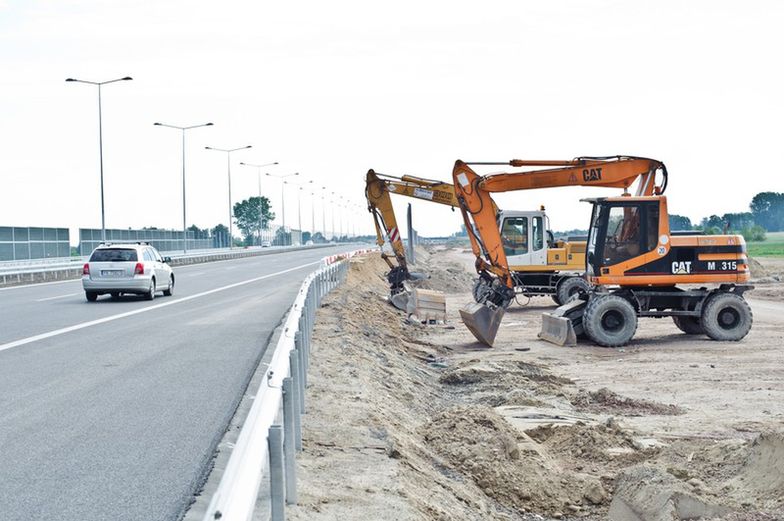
(773, 246)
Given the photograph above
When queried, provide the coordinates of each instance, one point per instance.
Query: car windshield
(114, 255)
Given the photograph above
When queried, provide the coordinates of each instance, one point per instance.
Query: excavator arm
(378, 188)
(479, 211)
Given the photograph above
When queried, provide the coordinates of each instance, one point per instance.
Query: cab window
(514, 235)
(147, 256)
(652, 226)
(537, 230)
(622, 239)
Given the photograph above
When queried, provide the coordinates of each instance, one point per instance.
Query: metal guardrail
(272, 433)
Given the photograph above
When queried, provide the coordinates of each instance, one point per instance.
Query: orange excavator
(540, 264)
(634, 263)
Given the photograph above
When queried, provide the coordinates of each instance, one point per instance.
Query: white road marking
(58, 296)
(83, 325)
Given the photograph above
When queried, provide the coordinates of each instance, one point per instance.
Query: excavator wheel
(689, 325)
(569, 287)
(610, 320)
(726, 316)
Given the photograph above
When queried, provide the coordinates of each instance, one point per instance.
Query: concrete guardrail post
(290, 417)
(296, 397)
(277, 489)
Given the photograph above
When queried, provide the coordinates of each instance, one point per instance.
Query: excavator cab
(530, 246)
(620, 231)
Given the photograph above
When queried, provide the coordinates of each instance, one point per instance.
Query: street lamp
(228, 152)
(334, 203)
(183, 129)
(323, 212)
(300, 187)
(100, 141)
(282, 198)
(258, 174)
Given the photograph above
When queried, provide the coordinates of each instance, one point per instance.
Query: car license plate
(112, 273)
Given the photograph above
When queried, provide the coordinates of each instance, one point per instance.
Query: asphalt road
(111, 410)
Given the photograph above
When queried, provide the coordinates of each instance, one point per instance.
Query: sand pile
(606, 401)
(443, 275)
(761, 476)
(401, 426)
(480, 444)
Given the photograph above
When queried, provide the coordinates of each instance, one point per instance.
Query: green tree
(249, 213)
(711, 224)
(220, 236)
(198, 233)
(754, 233)
(679, 222)
(768, 210)
(738, 221)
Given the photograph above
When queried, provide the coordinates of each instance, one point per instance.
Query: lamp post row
(228, 152)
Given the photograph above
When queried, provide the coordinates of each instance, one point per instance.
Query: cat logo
(573, 179)
(592, 174)
(681, 268)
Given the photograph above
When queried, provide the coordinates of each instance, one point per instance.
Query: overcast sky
(330, 89)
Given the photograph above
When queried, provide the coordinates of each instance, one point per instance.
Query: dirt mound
(762, 473)
(757, 270)
(480, 444)
(595, 443)
(644, 493)
(606, 401)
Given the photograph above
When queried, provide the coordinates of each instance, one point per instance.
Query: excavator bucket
(400, 300)
(563, 325)
(482, 320)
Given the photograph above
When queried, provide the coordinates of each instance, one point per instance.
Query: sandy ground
(406, 421)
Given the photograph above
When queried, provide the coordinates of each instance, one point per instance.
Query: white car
(127, 268)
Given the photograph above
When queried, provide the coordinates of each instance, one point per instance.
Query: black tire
(610, 320)
(170, 291)
(569, 287)
(689, 325)
(150, 295)
(555, 298)
(726, 317)
(91, 296)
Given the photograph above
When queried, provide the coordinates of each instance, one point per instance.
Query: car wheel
(151, 292)
(726, 316)
(91, 296)
(610, 320)
(169, 292)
